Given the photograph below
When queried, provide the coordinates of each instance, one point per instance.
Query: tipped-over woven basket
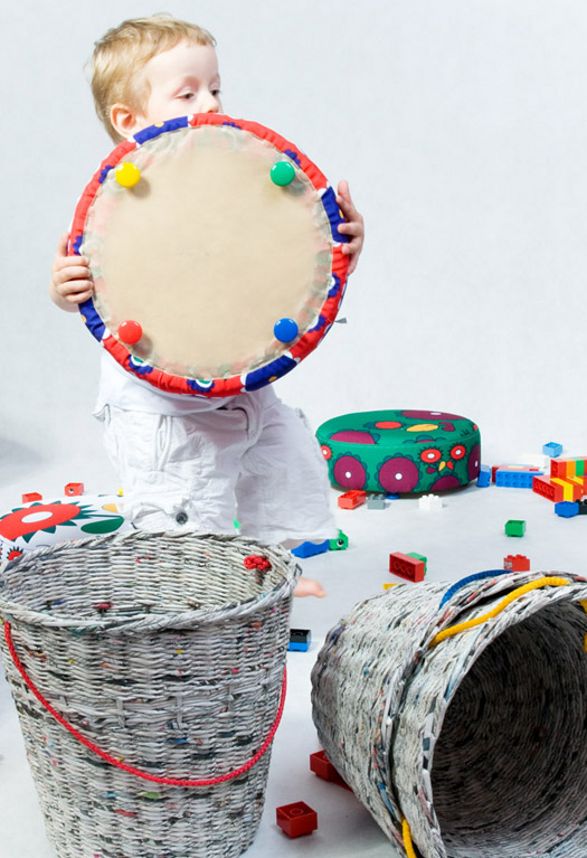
(459, 716)
(145, 668)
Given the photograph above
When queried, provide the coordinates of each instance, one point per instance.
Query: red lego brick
(352, 499)
(296, 819)
(516, 563)
(323, 768)
(73, 489)
(407, 567)
(543, 487)
(568, 467)
(29, 497)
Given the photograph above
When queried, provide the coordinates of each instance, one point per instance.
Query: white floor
(465, 536)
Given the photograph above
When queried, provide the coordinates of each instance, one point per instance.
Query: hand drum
(215, 252)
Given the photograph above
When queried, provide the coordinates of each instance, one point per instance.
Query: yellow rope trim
(511, 597)
(407, 835)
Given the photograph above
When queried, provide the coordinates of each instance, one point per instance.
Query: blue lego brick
(391, 496)
(298, 647)
(310, 549)
(567, 509)
(484, 478)
(299, 640)
(552, 449)
(516, 479)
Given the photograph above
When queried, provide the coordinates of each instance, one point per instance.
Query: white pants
(256, 459)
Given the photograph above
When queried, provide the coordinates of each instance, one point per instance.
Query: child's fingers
(79, 297)
(350, 214)
(351, 228)
(352, 246)
(62, 244)
(343, 189)
(72, 272)
(63, 261)
(74, 287)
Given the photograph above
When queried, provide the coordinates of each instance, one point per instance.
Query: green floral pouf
(401, 451)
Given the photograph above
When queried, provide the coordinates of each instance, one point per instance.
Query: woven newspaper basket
(458, 714)
(148, 675)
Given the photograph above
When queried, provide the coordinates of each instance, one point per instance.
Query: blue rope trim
(92, 319)
(156, 130)
(276, 368)
(332, 210)
(479, 576)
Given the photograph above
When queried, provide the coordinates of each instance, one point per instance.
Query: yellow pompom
(127, 174)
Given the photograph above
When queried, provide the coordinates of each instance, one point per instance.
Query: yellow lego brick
(571, 491)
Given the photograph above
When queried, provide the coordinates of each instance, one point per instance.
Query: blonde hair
(124, 50)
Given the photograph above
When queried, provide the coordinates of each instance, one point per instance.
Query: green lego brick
(341, 543)
(418, 557)
(580, 468)
(515, 527)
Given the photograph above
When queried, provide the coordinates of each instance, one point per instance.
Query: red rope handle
(131, 769)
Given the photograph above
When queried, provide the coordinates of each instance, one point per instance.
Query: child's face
(182, 80)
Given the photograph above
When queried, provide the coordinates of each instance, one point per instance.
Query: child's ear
(123, 119)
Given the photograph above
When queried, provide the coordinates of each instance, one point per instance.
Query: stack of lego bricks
(567, 480)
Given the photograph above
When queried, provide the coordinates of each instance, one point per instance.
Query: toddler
(191, 461)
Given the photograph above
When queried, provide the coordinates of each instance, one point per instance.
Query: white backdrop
(461, 126)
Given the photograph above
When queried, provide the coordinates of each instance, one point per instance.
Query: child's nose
(210, 105)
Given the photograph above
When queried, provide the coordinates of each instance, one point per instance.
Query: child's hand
(71, 278)
(355, 226)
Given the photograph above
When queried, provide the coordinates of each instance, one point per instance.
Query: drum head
(215, 271)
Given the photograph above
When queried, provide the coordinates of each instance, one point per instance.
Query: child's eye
(215, 92)
(187, 95)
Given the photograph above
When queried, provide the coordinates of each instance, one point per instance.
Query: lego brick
(580, 483)
(407, 567)
(29, 497)
(73, 489)
(311, 549)
(341, 543)
(352, 499)
(420, 557)
(572, 487)
(428, 503)
(537, 460)
(518, 477)
(568, 466)
(299, 640)
(391, 496)
(391, 584)
(516, 563)
(552, 449)
(296, 819)
(376, 501)
(323, 768)
(509, 467)
(567, 509)
(484, 478)
(582, 506)
(516, 469)
(515, 527)
(544, 487)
